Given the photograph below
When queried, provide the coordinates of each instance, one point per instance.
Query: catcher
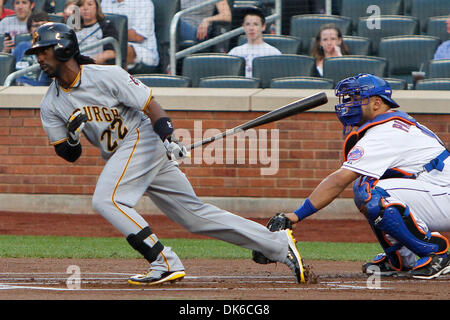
(400, 172)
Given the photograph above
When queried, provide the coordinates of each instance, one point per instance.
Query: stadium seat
(121, 24)
(436, 27)
(360, 46)
(397, 84)
(338, 68)
(439, 69)
(407, 53)
(203, 65)
(164, 12)
(2, 38)
(424, 9)
(228, 82)
(7, 66)
(285, 65)
(301, 83)
(59, 5)
(389, 26)
(22, 37)
(286, 44)
(355, 9)
(306, 26)
(163, 80)
(433, 84)
(56, 18)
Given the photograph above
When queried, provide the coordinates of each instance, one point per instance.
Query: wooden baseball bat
(288, 110)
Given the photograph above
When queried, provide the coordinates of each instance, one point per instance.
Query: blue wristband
(305, 210)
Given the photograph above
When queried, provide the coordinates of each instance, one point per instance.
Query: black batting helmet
(57, 35)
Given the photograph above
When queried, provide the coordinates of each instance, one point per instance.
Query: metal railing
(174, 55)
(118, 59)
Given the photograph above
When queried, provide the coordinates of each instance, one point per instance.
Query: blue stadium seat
(355, 9)
(301, 83)
(424, 9)
(389, 26)
(163, 80)
(338, 68)
(285, 65)
(437, 27)
(7, 66)
(433, 84)
(360, 46)
(305, 27)
(203, 65)
(286, 44)
(397, 84)
(439, 69)
(229, 82)
(406, 54)
(120, 22)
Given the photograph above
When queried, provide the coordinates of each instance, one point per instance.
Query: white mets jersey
(400, 146)
(112, 99)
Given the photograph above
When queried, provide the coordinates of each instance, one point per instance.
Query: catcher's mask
(353, 90)
(57, 35)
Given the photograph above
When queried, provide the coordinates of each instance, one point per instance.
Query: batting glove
(175, 149)
(75, 126)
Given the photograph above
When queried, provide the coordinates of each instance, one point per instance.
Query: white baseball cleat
(153, 277)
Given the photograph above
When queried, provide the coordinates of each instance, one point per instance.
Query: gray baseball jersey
(137, 164)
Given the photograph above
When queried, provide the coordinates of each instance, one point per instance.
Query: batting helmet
(351, 92)
(57, 35)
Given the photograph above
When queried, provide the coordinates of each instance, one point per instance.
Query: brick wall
(309, 149)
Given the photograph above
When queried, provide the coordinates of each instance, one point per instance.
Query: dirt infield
(104, 279)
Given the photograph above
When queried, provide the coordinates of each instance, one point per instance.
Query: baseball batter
(118, 115)
(401, 180)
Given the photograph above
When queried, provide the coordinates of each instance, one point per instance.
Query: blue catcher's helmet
(351, 92)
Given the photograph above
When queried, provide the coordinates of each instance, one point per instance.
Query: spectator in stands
(95, 27)
(33, 78)
(443, 51)
(69, 9)
(4, 12)
(15, 24)
(254, 24)
(142, 45)
(328, 43)
(196, 25)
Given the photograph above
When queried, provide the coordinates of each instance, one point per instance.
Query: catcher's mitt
(276, 223)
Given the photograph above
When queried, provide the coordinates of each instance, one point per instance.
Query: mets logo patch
(355, 154)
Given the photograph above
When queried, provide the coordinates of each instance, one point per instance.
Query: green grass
(78, 247)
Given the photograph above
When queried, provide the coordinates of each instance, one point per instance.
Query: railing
(173, 55)
(118, 59)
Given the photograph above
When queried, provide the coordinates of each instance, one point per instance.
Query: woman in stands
(94, 28)
(328, 43)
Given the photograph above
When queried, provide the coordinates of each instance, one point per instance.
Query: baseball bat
(288, 110)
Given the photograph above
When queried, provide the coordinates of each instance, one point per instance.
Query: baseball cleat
(380, 266)
(153, 277)
(293, 259)
(431, 267)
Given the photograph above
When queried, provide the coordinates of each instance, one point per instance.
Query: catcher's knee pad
(397, 221)
(137, 242)
(368, 197)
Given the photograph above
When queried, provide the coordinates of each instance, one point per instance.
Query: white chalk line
(42, 283)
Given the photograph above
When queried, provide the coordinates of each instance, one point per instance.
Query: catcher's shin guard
(396, 220)
(137, 242)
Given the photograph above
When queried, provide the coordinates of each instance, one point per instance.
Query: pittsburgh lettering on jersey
(401, 125)
(100, 114)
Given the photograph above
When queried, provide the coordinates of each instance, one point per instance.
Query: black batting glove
(75, 126)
